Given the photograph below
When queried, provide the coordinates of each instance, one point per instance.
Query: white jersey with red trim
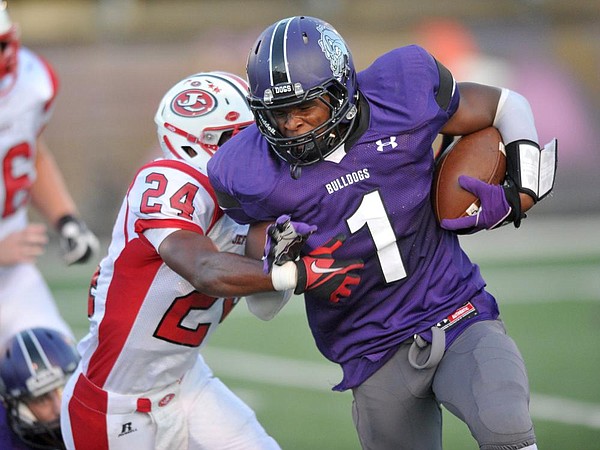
(147, 322)
(25, 108)
(26, 101)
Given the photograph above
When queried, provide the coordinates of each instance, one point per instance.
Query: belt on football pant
(438, 338)
(105, 401)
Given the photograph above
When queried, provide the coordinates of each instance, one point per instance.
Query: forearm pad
(533, 169)
(518, 155)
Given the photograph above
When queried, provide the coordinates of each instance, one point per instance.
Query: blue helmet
(295, 60)
(36, 362)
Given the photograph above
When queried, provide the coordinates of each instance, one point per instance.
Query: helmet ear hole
(225, 136)
(189, 151)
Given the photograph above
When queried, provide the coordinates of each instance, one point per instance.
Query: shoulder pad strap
(446, 89)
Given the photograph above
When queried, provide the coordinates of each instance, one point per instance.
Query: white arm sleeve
(514, 118)
(266, 305)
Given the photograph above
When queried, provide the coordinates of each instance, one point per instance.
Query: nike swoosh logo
(317, 269)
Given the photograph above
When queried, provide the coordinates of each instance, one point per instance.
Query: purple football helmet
(36, 362)
(295, 60)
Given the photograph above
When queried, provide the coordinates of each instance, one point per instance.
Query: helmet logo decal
(193, 103)
(335, 51)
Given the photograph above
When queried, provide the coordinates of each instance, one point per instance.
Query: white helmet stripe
(32, 352)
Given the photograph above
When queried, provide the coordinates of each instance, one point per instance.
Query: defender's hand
(284, 241)
(77, 243)
(326, 277)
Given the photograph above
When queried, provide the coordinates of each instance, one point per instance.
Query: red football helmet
(9, 43)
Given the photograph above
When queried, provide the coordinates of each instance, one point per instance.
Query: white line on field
(564, 410)
(314, 376)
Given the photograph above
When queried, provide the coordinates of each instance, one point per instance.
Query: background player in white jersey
(28, 86)
(172, 274)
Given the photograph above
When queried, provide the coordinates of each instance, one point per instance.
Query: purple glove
(494, 209)
(284, 241)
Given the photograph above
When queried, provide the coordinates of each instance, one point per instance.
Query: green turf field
(550, 301)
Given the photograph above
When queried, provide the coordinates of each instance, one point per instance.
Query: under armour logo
(126, 428)
(381, 144)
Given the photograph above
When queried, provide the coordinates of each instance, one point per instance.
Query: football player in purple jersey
(351, 152)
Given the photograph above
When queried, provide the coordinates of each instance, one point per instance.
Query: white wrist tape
(284, 277)
(514, 118)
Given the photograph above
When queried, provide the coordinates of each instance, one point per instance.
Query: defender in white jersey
(29, 175)
(173, 272)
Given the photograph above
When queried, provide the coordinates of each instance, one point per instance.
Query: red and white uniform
(26, 101)
(141, 382)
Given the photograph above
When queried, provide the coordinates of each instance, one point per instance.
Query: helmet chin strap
(295, 171)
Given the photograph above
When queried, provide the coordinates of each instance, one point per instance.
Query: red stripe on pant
(88, 425)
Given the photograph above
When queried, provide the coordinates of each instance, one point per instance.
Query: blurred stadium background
(116, 58)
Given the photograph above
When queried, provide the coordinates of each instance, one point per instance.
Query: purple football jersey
(377, 193)
(8, 439)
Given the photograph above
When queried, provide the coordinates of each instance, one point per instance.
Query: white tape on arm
(284, 277)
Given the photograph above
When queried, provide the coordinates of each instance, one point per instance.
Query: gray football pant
(481, 379)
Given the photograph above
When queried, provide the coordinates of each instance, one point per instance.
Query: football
(480, 155)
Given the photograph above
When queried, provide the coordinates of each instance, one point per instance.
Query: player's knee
(501, 391)
(499, 429)
(505, 424)
(508, 413)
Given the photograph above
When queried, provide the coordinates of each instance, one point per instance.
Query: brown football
(479, 155)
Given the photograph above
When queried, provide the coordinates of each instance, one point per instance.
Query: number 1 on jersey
(372, 213)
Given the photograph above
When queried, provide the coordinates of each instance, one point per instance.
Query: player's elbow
(209, 284)
(207, 279)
